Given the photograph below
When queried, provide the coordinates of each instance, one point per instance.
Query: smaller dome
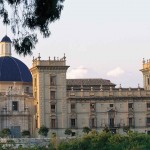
(6, 39)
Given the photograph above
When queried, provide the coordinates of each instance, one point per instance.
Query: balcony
(53, 110)
(114, 126)
(130, 109)
(148, 108)
(53, 83)
(111, 125)
(14, 113)
(73, 110)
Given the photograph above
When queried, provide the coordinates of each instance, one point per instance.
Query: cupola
(5, 46)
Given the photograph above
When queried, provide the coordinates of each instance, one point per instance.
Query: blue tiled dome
(12, 69)
(6, 39)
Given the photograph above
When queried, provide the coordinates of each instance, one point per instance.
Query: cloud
(115, 72)
(79, 72)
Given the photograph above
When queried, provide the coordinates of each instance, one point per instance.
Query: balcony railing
(148, 108)
(73, 110)
(112, 125)
(130, 109)
(53, 110)
(7, 113)
(73, 126)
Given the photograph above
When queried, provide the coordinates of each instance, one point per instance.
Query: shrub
(86, 130)
(68, 131)
(25, 133)
(43, 131)
(126, 129)
(5, 132)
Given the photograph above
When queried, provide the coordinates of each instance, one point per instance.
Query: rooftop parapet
(117, 92)
(50, 62)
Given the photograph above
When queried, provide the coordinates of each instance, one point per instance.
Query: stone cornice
(109, 98)
(50, 68)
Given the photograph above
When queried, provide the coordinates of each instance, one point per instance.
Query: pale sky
(101, 39)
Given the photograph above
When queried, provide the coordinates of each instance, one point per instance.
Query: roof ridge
(17, 67)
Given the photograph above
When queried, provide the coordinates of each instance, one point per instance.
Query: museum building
(47, 98)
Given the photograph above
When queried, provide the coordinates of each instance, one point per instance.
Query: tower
(5, 46)
(146, 74)
(49, 90)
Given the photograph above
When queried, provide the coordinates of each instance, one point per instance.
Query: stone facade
(59, 103)
(115, 109)
(16, 110)
(76, 103)
(49, 90)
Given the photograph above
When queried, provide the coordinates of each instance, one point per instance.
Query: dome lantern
(5, 46)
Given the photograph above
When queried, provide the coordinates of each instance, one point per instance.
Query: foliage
(68, 131)
(27, 16)
(86, 130)
(106, 129)
(43, 131)
(5, 132)
(54, 142)
(25, 133)
(126, 129)
(10, 144)
(93, 141)
(53, 135)
(107, 141)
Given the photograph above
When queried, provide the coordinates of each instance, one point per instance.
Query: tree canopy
(43, 130)
(26, 17)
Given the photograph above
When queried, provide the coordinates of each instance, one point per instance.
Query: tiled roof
(6, 39)
(12, 69)
(89, 82)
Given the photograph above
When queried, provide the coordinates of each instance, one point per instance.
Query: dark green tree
(25, 133)
(86, 130)
(106, 129)
(43, 131)
(68, 131)
(126, 129)
(28, 16)
(5, 132)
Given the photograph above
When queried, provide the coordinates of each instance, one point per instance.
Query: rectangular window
(148, 105)
(52, 108)
(53, 123)
(53, 80)
(130, 105)
(27, 89)
(130, 122)
(93, 122)
(73, 123)
(148, 120)
(111, 105)
(92, 106)
(111, 122)
(14, 106)
(52, 96)
(73, 106)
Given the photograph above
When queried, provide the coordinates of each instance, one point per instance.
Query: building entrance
(15, 132)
